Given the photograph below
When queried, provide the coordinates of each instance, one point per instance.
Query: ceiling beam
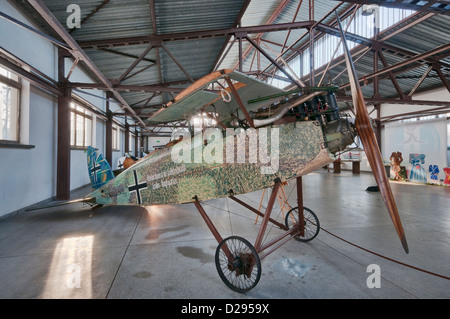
(151, 4)
(278, 10)
(206, 34)
(371, 101)
(78, 53)
(123, 87)
(407, 62)
(434, 6)
(236, 23)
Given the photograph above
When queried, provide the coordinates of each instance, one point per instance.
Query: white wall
(28, 176)
(157, 141)
(35, 50)
(441, 94)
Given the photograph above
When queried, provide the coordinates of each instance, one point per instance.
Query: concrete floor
(168, 252)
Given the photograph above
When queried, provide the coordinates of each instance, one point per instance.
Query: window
(80, 126)
(9, 106)
(115, 138)
(325, 47)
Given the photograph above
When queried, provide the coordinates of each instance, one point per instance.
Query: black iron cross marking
(137, 187)
(95, 169)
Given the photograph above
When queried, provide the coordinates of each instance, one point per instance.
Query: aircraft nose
(339, 134)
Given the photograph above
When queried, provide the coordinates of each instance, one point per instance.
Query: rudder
(99, 170)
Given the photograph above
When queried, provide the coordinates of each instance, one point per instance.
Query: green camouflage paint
(158, 179)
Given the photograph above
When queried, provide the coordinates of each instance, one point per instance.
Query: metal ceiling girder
(124, 87)
(435, 6)
(442, 77)
(371, 101)
(271, 19)
(135, 63)
(206, 34)
(257, 47)
(375, 44)
(78, 53)
(415, 59)
(237, 22)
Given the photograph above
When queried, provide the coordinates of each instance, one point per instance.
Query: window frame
(16, 85)
(78, 110)
(115, 137)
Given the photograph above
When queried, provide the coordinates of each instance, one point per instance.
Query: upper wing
(195, 98)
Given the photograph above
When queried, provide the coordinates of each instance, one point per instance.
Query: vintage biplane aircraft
(303, 130)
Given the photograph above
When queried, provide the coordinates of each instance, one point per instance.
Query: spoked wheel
(311, 221)
(238, 264)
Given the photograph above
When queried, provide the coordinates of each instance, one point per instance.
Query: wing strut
(239, 101)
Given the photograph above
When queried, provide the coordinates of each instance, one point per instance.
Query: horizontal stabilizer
(61, 203)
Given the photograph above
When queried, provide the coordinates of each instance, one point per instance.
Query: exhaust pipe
(284, 109)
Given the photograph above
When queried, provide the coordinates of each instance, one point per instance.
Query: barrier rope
(342, 239)
(374, 253)
(379, 255)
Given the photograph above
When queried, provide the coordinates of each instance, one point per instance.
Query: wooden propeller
(370, 144)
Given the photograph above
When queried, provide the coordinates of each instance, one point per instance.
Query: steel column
(311, 44)
(127, 137)
(240, 52)
(63, 142)
(108, 131)
(136, 142)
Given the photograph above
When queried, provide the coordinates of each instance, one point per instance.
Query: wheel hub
(242, 264)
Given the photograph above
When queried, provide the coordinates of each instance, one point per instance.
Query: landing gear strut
(237, 261)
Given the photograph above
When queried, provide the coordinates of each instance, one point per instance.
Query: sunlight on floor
(70, 274)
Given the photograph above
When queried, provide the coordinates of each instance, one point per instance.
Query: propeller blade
(370, 144)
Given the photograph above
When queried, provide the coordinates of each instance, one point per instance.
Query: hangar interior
(79, 73)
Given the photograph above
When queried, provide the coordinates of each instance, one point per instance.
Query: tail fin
(98, 168)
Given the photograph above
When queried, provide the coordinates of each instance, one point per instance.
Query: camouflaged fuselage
(291, 150)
